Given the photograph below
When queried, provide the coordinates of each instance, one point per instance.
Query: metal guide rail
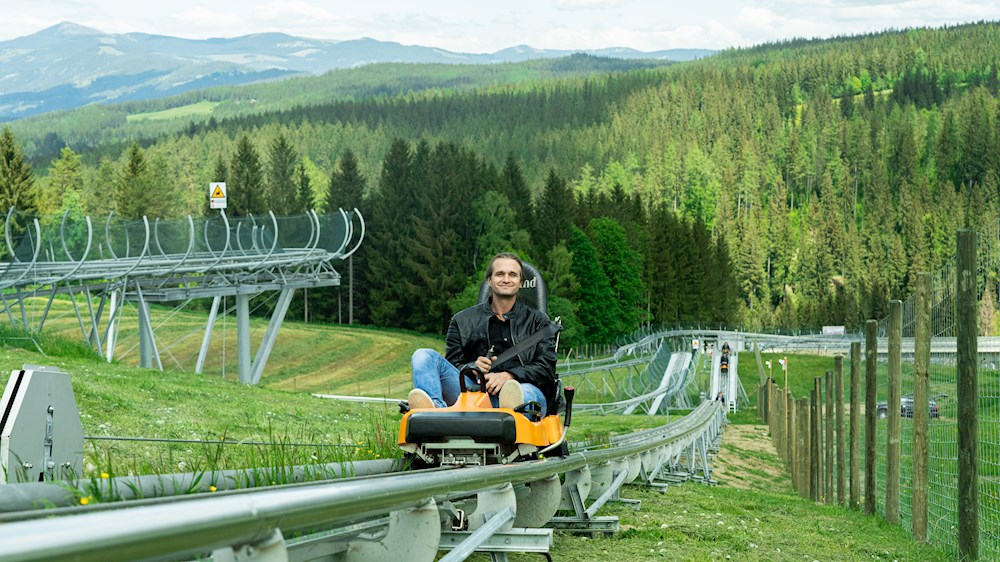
(41, 252)
(146, 261)
(404, 515)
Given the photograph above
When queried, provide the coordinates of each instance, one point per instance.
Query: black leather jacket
(468, 339)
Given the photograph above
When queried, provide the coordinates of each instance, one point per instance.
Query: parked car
(906, 407)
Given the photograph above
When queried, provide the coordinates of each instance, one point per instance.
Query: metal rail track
(380, 517)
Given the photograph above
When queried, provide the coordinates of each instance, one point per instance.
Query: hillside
(100, 129)
(69, 65)
(796, 184)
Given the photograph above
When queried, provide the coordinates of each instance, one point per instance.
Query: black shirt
(501, 340)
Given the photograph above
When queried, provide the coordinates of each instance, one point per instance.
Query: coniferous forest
(790, 185)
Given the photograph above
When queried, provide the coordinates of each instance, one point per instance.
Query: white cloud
(467, 36)
(759, 25)
(305, 19)
(485, 27)
(14, 25)
(853, 16)
(291, 10)
(507, 19)
(200, 19)
(589, 4)
(648, 39)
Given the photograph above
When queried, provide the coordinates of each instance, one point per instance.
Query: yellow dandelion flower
(85, 501)
(105, 475)
(212, 488)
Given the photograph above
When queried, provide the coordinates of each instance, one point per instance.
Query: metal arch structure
(159, 261)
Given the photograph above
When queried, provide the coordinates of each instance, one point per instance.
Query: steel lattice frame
(168, 261)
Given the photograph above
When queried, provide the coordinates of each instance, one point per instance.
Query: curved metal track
(228, 248)
(171, 261)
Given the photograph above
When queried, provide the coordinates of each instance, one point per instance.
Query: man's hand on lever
(484, 363)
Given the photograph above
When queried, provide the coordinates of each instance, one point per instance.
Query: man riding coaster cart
(494, 396)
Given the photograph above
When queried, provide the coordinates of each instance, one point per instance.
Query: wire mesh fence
(943, 451)
(895, 474)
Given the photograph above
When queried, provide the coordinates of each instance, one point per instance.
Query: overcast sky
(476, 27)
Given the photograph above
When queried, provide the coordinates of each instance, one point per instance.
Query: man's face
(506, 278)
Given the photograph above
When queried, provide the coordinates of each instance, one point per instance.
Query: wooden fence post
(828, 425)
(767, 406)
(760, 401)
(854, 435)
(780, 420)
(921, 406)
(838, 406)
(967, 314)
(893, 415)
(805, 464)
(772, 416)
(871, 380)
(790, 431)
(815, 442)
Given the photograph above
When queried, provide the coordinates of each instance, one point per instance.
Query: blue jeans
(433, 374)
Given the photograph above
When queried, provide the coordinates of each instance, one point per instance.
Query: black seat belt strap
(530, 341)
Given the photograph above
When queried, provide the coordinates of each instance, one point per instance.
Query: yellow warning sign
(217, 195)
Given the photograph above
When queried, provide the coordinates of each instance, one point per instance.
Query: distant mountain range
(69, 65)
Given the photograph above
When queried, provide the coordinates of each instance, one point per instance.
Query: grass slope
(323, 358)
(198, 109)
(751, 515)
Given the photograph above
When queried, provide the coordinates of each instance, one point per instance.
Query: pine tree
(245, 190)
(946, 155)
(164, 199)
(595, 300)
(664, 270)
(512, 185)
(847, 105)
(725, 293)
(347, 184)
(282, 187)
(65, 179)
(554, 215)
(705, 279)
(221, 171)
(304, 192)
(623, 267)
(134, 188)
(347, 188)
(869, 98)
(17, 186)
(390, 224)
(440, 254)
(97, 198)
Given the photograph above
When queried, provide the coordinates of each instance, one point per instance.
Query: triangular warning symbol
(218, 194)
